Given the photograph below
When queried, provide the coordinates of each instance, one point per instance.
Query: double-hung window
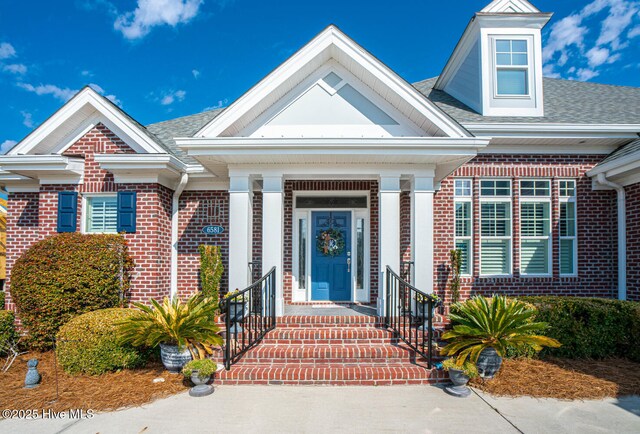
(535, 227)
(101, 214)
(512, 67)
(568, 229)
(463, 223)
(495, 227)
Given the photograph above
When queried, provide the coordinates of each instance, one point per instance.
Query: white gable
(366, 99)
(510, 6)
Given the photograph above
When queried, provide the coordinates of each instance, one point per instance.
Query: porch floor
(330, 310)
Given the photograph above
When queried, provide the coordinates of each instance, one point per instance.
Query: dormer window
(512, 67)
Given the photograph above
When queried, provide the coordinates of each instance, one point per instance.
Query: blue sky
(160, 59)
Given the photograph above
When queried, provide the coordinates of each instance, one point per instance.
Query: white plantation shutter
(567, 262)
(534, 257)
(568, 228)
(494, 257)
(465, 248)
(102, 214)
(535, 227)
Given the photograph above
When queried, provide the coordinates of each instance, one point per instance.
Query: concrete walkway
(415, 409)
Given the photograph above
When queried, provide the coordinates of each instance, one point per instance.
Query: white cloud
(27, 119)
(7, 50)
(152, 13)
(6, 145)
(63, 94)
(221, 103)
(572, 46)
(15, 68)
(172, 97)
(634, 32)
(86, 73)
(195, 73)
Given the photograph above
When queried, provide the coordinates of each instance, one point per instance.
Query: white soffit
(81, 113)
(510, 7)
(332, 44)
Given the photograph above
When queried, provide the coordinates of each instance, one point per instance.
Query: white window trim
(468, 199)
(562, 200)
(85, 207)
(529, 67)
(492, 199)
(549, 238)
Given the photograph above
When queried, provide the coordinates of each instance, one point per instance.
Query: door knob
(348, 265)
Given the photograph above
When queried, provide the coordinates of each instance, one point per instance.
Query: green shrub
(211, 270)
(89, 344)
(64, 276)
(2, 299)
(8, 333)
(590, 327)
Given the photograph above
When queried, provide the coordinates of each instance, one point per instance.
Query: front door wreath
(330, 242)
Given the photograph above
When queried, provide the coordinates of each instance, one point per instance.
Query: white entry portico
(332, 112)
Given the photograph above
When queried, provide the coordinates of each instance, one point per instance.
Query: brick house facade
(334, 132)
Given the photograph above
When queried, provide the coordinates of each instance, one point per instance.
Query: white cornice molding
(163, 169)
(113, 118)
(48, 169)
(510, 6)
(521, 130)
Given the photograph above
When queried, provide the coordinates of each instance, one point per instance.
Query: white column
(272, 233)
(422, 192)
(388, 233)
(240, 229)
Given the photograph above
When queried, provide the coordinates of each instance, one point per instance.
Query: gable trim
(112, 117)
(331, 36)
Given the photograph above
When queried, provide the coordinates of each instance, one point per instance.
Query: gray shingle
(628, 149)
(565, 102)
(185, 126)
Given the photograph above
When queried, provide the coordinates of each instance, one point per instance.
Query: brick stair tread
(360, 374)
(331, 352)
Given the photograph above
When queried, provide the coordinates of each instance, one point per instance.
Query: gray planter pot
(459, 380)
(201, 387)
(173, 357)
(238, 310)
(489, 363)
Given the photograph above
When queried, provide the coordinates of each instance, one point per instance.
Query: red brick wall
(633, 242)
(405, 234)
(596, 228)
(199, 209)
(291, 186)
(33, 216)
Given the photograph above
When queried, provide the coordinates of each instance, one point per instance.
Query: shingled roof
(566, 102)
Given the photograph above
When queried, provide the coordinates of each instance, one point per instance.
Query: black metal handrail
(409, 313)
(249, 315)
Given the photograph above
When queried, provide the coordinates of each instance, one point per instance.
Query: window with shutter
(495, 227)
(535, 227)
(463, 223)
(568, 228)
(101, 214)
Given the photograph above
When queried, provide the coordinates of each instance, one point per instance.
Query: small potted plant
(459, 376)
(422, 303)
(237, 308)
(200, 372)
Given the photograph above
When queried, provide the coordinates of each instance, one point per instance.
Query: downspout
(622, 234)
(174, 233)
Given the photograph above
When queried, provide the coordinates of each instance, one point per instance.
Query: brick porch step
(326, 335)
(321, 355)
(363, 374)
(329, 321)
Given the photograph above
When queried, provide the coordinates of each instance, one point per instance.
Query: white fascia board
(537, 130)
(140, 161)
(468, 38)
(111, 113)
(391, 146)
(501, 6)
(331, 36)
(36, 166)
(302, 171)
(616, 167)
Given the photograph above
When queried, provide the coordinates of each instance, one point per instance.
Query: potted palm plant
(459, 376)
(483, 329)
(183, 330)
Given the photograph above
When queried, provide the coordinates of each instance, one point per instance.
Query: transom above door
(331, 247)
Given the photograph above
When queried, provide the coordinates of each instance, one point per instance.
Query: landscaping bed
(109, 391)
(564, 378)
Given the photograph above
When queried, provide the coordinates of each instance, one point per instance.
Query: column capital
(389, 183)
(272, 184)
(422, 184)
(240, 184)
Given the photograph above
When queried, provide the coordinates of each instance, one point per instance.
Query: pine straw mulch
(564, 379)
(111, 391)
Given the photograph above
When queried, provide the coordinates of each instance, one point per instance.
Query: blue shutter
(67, 211)
(127, 211)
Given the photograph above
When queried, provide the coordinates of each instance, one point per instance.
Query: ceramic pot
(459, 380)
(173, 357)
(198, 380)
(489, 363)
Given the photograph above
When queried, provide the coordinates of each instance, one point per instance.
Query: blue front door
(331, 256)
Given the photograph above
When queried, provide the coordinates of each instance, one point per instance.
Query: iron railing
(409, 313)
(249, 315)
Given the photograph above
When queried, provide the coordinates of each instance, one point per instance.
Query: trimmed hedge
(89, 344)
(590, 327)
(2, 299)
(66, 275)
(7, 330)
